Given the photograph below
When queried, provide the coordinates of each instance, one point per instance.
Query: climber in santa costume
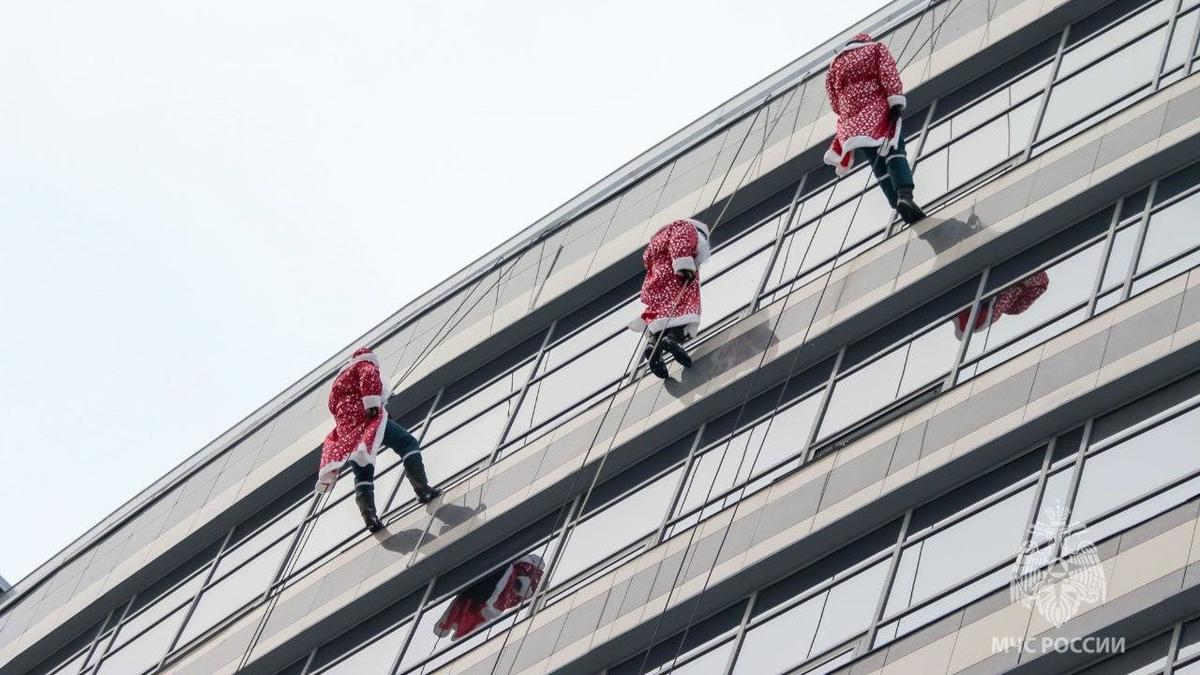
(671, 291)
(490, 597)
(361, 428)
(865, 92)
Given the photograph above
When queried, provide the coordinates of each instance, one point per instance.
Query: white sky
(201, 200)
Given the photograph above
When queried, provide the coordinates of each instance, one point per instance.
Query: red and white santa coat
(490, 597)
(669, 299)
(1012, 301)
(863, 84)
(355, 436)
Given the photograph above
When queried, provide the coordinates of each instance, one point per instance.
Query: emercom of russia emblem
(1058, 589)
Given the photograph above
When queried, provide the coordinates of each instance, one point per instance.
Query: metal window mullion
(437, 398)
(305, 669)
(1105, 256)
(738, 636)
(1189, 61)
(1173, 648)
(1038, 493)
(964, 343)
(1041, 113)
(889, 580)
(1073, 487)
(688, 463)
(191, 607)
(112, 636)
(781, 233)
(1136, 257)
(412, 629)
(819, 418)
(1166, 48)
(541, 594)
(94, 643)
(520, 400)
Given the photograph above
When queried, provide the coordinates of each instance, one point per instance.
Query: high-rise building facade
(965, 445)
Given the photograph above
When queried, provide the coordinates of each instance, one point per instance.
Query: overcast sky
(196, 195)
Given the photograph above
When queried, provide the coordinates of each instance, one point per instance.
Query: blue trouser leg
(397, 438)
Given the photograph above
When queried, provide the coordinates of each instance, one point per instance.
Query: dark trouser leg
(397, 438)
(880, 168)
(901, 177)
(364, 495)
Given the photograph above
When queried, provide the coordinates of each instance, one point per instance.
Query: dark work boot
(653, 355)
(906, 207)
(364, 496)
(424, 491)
(414, 470)
(671, 343)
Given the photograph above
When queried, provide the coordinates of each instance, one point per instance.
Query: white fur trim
(489, 608)
(684, 263)
(852, 45)
(700, 226)
(361, 456)
(372, 402)
(689, 321)
(857, 142)
(897, 99)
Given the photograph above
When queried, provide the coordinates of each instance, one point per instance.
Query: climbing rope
(697, 601)
(638, 372)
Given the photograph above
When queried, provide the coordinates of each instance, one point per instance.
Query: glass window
(731, 291)
(284, 525)
(1103, 83)
(893, 376)
(602, 329)
(376, 657)
(960, 551)
(617, 526)
(1078, 57)
(953, 166)
(466, 445)
(711, 663)
(1034, 300)
(1148, 657)
(332, 526)
(579, 379)
(750, 452)
(145, 651)
(813, 626)
(232, 592)
(1117, 267)
(1181, 40)
(473, 404)
(1170, 232)
(168, 602)
(1121, 473)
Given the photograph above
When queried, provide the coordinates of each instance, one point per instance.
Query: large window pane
(168, 602)
(1126, 471)
(895, 375)
(1102, 84)
(813, 626)
(472, 405)
(376, 657)
(749, 453)
(963, 160)
(1080, 56)
(1171, 232)
(235, 590)
(145, 651)
(465, 445)
(960, 551)
(732, 290)
(617, 526)
(575, 381)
